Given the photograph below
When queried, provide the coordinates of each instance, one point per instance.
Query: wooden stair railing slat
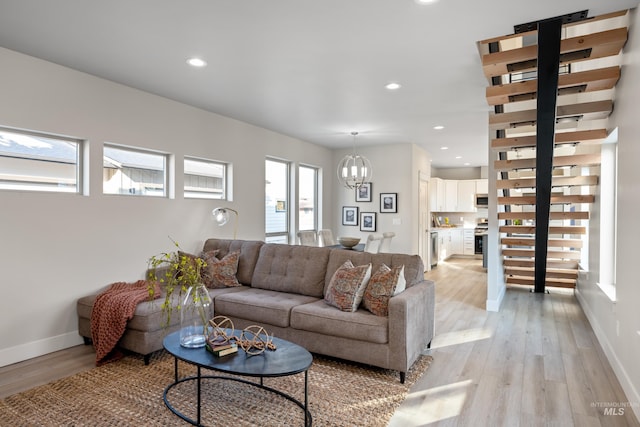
(551, 273)
(551, 263)
(554, 283)
(552, 215)
(531, 229)
(594, 80)
(558, 161)
(531, 242)
(588, 110)
(556, 200)
(556, 181)
(602, 44)
(529, 253)
(582, 136)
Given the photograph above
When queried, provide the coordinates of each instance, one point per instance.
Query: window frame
(316, 191)
(272, 236)
(139, 150)
(194, 194)
(79, 183)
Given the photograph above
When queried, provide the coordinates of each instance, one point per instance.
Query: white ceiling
(312, 70)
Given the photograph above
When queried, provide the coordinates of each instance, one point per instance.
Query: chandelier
(354, 169)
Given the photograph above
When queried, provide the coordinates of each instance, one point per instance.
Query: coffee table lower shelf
(304, 406)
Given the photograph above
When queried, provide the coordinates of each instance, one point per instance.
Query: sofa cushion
(148, 315)
(413, 266)
(249, 251)
(327, 320)
(221, 273)
(382, 286)
(347, 286)
(260, 305)
(291, 268)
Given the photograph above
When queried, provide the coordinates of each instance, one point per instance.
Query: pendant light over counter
(354, 169)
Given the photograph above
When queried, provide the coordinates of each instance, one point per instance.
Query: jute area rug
(128, 393)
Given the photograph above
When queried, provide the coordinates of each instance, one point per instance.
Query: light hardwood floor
(534, 363)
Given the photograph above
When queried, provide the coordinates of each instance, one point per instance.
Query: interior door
(424, 246)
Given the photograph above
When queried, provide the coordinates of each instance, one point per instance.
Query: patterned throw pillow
(382, 286)
(347, 286)
(221, 273)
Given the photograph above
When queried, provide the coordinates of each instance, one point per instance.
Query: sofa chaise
(283, 289)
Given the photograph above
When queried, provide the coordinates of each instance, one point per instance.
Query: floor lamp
(221, 215)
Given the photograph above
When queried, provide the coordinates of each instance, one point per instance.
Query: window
(307, 198)
(204, 179)
(276, 201)
(608, 215)
(38, 162)
(133, 172)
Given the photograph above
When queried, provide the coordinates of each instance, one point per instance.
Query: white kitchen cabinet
(444, 244)
(456, 241)
(468, 241)
(450, 195)
(466, 196)
(482, 186)
(436, 195)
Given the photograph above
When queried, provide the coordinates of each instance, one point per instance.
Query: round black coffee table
(288, 359)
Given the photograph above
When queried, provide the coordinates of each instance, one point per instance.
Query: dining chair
(325, 238)
(385, 244)
(307, 238)
(373, 243)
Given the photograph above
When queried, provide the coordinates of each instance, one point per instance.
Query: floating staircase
(590, 59)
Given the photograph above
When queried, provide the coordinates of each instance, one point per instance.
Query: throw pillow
(382, 286)
(347, 286)
(221, 273)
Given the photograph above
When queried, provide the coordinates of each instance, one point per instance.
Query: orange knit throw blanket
(112, 310)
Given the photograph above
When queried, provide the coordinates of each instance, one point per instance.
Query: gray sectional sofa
(283, 288)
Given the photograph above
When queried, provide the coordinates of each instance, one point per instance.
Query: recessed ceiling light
(467, 164)
(444, 148)
(393, 86)
(458, 157)
(439, 127)
(196, 62)
(426, 1)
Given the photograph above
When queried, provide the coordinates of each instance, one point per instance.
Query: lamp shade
(221, 216)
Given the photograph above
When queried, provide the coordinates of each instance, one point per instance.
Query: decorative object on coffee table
(197, 309)
(177, 272)
(255, 340)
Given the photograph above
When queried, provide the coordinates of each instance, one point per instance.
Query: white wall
(617, 324)
(395, 170)
(56, 248)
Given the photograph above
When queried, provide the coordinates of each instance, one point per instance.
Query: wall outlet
(397, 221)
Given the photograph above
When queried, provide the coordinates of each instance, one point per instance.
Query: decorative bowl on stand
(348, 242)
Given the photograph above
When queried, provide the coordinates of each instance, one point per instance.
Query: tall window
(307, 198)
(38, 162)
(204, 179)
(608, 215)
(276, 201)
(133, 171)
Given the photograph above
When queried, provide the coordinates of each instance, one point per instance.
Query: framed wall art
(388, 202)
(367, 221)
(349, 215)
(363, 192)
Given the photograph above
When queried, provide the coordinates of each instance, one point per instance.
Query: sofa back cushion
(291, 268)
(413, 266)
(249, 251)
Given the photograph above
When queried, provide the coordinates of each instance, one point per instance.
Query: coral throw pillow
(221, 273)
(347, 286)
(385, 283)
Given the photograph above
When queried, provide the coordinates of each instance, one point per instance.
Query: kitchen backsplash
(461, 219)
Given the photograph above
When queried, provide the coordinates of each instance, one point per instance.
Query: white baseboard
(618, 369)
(494, 304)
(33, 349)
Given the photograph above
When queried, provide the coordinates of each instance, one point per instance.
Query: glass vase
(197, 309)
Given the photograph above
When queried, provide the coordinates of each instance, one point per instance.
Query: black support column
(549, 35)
